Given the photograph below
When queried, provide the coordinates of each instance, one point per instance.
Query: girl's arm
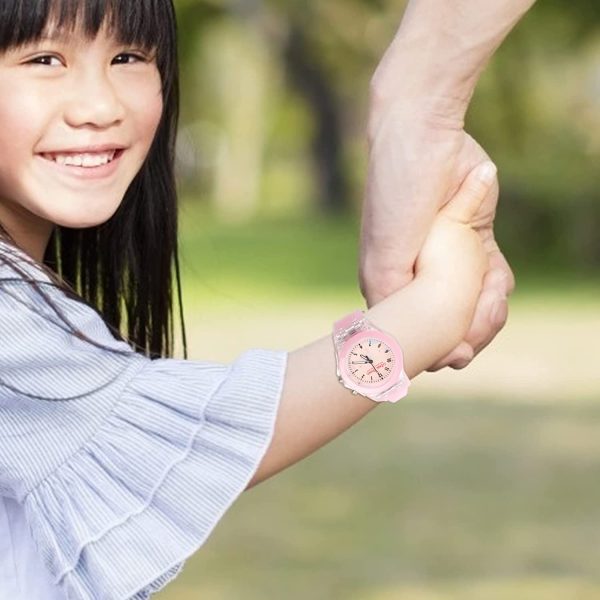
(428, 318)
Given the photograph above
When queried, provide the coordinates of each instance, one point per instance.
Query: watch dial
(371, 361)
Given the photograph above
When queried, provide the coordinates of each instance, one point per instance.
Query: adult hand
(417, 161)
(420, 153)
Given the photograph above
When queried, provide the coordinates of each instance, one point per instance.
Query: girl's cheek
(21, 109)
(144, 102)
(16, 135)
(151, 115)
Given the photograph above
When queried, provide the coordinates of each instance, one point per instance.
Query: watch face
(370, 361)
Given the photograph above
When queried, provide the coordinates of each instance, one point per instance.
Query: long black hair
(123, 267)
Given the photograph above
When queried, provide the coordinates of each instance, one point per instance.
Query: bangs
(148, 24)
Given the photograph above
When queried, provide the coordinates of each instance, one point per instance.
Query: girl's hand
(453, 258)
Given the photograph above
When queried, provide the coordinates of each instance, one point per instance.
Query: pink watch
(369, 361)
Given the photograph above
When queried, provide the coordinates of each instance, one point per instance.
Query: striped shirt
(114, 468)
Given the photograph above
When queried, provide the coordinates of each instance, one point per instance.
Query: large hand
(417, 162)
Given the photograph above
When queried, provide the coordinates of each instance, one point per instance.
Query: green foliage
(536, 111)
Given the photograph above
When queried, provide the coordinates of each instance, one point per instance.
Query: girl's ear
(463, 206)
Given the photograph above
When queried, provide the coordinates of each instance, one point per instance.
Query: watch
(369, 361)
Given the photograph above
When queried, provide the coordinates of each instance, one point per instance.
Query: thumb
(463, 206)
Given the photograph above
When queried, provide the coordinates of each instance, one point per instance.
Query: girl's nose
(93, 100)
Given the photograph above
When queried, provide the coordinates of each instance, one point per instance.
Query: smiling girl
(117, 460)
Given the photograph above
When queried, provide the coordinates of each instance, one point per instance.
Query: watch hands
(378, 373)
(370, 361)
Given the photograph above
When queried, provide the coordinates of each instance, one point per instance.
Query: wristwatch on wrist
(369, 361)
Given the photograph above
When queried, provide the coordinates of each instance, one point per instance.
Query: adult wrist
(439, 53)
(423, 82)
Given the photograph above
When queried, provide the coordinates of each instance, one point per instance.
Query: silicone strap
(397, 391)
(349, 325)
(347, 321)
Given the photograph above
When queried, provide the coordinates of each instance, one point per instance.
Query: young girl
(116, 461)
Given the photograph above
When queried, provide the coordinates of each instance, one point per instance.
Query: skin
(70, 92)
(420, 153)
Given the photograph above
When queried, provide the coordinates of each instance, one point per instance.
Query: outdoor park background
(484, 484)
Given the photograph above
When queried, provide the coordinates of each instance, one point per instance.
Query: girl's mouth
(95, 165)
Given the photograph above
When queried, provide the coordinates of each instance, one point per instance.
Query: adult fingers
(458, 358)
(489, 318)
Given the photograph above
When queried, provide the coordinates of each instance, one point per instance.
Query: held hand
(420, 152)
(416, 165)
(453, 260)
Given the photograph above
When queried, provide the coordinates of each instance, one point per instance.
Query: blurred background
(484, 484)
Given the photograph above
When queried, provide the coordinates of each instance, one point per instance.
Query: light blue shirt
(113, 489)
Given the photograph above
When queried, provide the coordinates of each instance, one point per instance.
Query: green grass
(281, 257)
(433, 500)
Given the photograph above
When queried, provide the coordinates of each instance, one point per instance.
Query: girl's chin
(81, 219)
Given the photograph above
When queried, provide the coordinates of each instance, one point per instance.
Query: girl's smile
(85, 164)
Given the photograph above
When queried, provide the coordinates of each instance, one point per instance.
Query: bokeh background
(484, 484)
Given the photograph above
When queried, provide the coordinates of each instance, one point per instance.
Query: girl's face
(66, 104)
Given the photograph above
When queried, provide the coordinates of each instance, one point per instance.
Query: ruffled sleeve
(125, 480)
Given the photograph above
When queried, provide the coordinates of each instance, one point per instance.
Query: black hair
(123, 267)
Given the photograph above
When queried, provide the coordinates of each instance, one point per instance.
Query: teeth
(83, 160)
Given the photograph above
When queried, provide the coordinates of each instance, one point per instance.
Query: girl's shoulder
(27, 292)
(16, 265)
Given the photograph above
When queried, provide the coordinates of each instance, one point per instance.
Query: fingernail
(487, 172)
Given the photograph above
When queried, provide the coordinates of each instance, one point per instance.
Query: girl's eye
(44, 60)
(126, 55)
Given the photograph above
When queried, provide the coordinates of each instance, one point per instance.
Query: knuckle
(463, 357)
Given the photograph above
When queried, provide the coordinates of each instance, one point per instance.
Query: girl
(116, 461)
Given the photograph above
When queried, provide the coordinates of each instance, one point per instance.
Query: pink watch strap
(344, 323)
(398, 391)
